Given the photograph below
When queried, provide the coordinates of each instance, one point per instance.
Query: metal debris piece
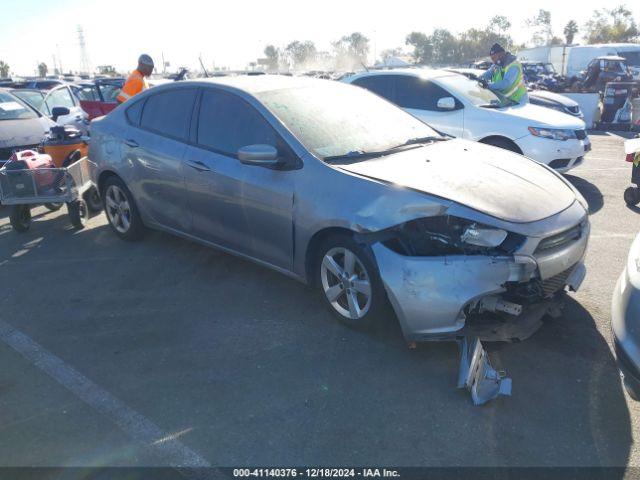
(477, 375)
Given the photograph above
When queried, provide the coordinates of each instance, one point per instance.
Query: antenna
(203, 69)
(85, 64)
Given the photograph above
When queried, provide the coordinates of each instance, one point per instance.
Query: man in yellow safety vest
(137, 82)
(505, 76)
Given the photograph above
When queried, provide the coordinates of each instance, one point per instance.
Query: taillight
(630, 157)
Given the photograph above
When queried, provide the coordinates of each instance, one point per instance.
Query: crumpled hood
(491, 180)
(16, 133)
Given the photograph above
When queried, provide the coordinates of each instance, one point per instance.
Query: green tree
(300, 53)
(499, 24)
(42, 69)
(422, 47)
(273, 57)
(543, 31)
(4, 69)
(351, 50)
(570, 30)
(615, 25)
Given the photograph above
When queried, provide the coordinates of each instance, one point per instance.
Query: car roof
(255, 83)
(425, 73)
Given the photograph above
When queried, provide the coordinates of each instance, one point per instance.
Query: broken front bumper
(433, 296)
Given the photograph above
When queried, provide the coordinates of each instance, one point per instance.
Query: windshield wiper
(361, 155)
(418, 140)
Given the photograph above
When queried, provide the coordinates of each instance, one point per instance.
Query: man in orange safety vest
(137, 82)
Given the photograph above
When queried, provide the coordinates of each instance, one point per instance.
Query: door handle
(131, 143)
(197, 165)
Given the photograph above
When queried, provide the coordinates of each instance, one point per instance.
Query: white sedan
(458, 106)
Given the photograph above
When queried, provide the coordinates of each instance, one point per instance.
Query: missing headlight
(447, 235)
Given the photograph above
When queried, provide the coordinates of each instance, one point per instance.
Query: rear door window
(381, 85)
(169, 112)
(226, 122)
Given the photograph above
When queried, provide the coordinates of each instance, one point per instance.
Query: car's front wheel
(350, 283)
(121, 210)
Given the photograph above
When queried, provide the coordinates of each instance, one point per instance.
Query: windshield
(35, 99)
(335, 119)
(12, 108)
(633, 58)
(460, 85)
(549, 68)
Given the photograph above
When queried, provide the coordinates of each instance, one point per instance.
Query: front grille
(555, 283)
(559, 162)
(560, 240)
(5, 153)
(581, 134)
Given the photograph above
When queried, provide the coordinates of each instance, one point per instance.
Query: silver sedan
(336, 187)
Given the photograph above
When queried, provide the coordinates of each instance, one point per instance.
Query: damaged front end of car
(450, 278)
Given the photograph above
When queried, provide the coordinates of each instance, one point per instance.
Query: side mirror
(59, 112)
(446, 103)
(259, 155)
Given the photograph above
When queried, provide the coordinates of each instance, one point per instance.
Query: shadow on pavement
(589, 191)
(260, 374)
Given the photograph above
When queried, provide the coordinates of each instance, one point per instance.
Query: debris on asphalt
(477, 375)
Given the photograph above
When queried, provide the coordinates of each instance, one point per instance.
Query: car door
(246, 208)
(420, 97)
(62, 97)
(154, 145)
(89, 100)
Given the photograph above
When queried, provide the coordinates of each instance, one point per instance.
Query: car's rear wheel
(94, 202)
(121, 210)
(632, 196)
(349, 282)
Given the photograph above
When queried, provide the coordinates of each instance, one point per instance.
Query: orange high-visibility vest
(135, 84)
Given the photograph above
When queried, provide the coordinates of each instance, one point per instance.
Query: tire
(53, 207)
(632, 196)
(502, 143)
(368, 304)
(122, 212)
(94, 202)
(78, 213)
(20, 218)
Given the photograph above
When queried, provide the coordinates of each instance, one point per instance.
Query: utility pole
(85, 65)
(59, 59)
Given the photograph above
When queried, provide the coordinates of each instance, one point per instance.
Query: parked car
(38, 84)
(21, 126)
(625, 321)
(458, 106)
(543, 76)
(60, 96)
(541, 98)
(340, 189)
(98, 97)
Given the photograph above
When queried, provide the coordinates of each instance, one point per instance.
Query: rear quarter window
(134, 113)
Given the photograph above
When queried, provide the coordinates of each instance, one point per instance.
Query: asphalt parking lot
(127, 348)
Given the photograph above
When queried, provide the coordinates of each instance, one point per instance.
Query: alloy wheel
(118, 209)
(346, 283)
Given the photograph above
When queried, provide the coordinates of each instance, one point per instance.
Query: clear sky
(233, 32)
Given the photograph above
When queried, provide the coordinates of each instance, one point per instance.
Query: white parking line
(164, 445)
